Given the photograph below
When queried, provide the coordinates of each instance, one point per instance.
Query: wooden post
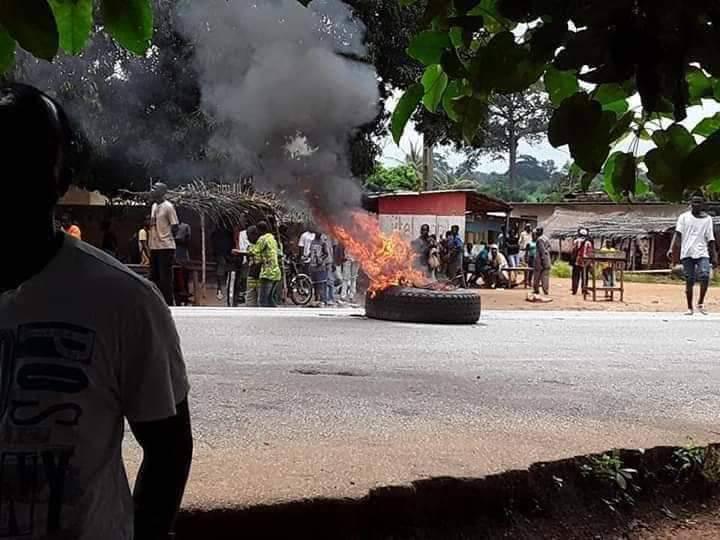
(204, 252)
(428, 172)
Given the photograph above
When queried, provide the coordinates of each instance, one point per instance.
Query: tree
(514, 118)
(42, 27)
(664, 51)
(400, 178)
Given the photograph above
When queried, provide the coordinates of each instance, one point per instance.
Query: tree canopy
(593, 57)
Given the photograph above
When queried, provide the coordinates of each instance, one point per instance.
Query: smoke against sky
(270, 70)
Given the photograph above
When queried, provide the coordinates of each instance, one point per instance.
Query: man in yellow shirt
(266, 252)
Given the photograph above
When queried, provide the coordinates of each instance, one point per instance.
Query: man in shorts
(694, 232)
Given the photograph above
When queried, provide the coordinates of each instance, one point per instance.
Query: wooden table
(593, 268)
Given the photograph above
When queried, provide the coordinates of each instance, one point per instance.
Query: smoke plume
(283, 99)
(280, 88)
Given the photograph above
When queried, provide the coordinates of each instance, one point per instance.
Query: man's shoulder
(94, 266)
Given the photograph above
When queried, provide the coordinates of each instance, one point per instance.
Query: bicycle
(301, 286)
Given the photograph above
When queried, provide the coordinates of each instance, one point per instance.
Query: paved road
(300, 403)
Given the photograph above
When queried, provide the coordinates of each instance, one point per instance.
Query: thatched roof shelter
(563, 224)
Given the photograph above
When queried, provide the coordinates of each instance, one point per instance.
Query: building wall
(409, 213)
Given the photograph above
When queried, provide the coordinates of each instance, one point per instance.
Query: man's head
(528, 227)
(263, 227)
(253, 234)
(455, 230)
(539, 232)
(449, 234)
(159, 192)
(493, 250)
(147, 222)
(697, 204)
(425, 231)
(36, 146)
(583, 232)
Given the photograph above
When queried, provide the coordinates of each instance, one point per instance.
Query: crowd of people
(494, 266)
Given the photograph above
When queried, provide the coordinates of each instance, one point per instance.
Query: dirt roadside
(639, 297)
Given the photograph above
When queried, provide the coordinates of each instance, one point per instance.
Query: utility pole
(428, 172)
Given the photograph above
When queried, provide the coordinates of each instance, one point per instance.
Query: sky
(394, 154)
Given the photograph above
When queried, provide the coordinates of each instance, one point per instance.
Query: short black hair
(263, 227)
(37, 141)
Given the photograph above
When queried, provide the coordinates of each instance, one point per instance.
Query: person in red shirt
(582, 249)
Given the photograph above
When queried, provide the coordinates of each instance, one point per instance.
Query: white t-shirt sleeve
(710, 230)
(152, 378)
(172, 215)
(680, 226)
(142, 235)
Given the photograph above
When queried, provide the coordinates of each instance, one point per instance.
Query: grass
(561, 269)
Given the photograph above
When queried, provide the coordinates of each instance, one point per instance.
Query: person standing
(350, 271)
(109, 239)
(582, 250)
(252, 282)
(266, 252)
(694, 232)
(163, 226)
(526, 238)
(455, 254)
(102, 349)
(530, 256)
(318, 265)
(512, 246)
(305, 241)
(330, 269)
(421, 247)
(543, 263)
(183, 236)
(222, 244)
(143, 245)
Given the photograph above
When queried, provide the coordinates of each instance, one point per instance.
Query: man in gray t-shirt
(85, 344)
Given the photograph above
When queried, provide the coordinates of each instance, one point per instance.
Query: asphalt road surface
(297, 403)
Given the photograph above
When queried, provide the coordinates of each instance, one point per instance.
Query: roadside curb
(567, 497)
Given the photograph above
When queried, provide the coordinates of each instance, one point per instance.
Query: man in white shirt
(163, 228)
(304, 243)
(84, 345)
(694, 232)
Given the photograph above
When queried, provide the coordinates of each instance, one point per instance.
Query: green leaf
(699, 84)
(403, 3)
(714, 186)
(504, 66)
(641, 187)
(624, 173)
(474, 113)
(32, 24)
(573, 118)
(668, 165)
(75, 21)
(404, 110)
(560, 84)
(130, 22)
(586, 180)
(608, 174)
(428, 47)
(708, 126)
(612, 97)
(7, 50)
(702, 164)
(452, 65)
(449, 101)
(494, 22)
(622, 127)
(434, 81)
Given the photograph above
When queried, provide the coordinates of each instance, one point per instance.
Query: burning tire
(407, 304)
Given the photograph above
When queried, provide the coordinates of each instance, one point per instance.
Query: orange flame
(387, 259)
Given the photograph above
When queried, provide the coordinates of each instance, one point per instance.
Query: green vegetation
(561, 269)
(477, 50)
(610, 470)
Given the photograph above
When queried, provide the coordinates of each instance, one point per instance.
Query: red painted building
(478, 216)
